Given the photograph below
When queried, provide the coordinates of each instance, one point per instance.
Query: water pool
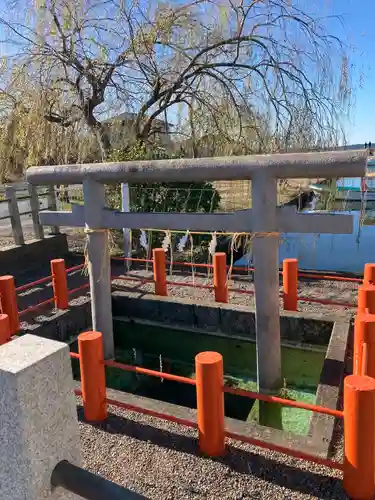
(173, 351)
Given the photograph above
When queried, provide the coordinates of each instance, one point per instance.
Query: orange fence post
(5, 334)
(364, 345)
(369, 274)
(210, 402)
(220, 277)
(366, 298)
(290, 284)
(160, 276)
(60, 284)
(91, 361)
(359, 437)
(8, 300)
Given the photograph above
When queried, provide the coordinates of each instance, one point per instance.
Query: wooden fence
(21, 201)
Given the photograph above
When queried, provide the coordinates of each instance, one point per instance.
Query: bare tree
(267, 57)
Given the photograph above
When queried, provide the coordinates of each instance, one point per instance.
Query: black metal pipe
(89, 485)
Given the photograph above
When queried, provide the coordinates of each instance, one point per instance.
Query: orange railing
(290, 273)
(358, 413)
(220, 287)
(359, 389)
(60, 299)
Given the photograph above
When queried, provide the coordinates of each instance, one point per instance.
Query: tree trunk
(100, 131)
(104, 141)
(102, 136)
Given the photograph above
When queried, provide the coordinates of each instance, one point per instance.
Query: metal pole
(89, 485)
(99, 264)
(265, 247)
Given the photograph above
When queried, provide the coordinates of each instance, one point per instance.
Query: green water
(174, 351)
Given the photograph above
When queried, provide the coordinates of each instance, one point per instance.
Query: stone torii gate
(265, 218)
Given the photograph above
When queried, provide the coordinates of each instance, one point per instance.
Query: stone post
(125, 206)
(99, 264)
(38, 418)
(34, 205)
(52, 205)
(266, 278)
(14, 214)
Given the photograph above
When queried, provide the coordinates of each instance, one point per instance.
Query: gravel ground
(160, 460)
(345, 292)
(76, 238)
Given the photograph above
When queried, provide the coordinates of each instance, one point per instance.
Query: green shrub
(161, 197)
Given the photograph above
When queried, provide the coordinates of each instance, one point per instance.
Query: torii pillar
(266, 279)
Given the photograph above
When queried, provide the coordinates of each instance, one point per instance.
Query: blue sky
(359, 31)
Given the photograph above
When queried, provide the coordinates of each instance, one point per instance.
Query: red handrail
(329, 277)
(152, 373)
(318, 276)
(284, 402)
(37, 306)
(286, 451)
(86, 285)
(33, 283)
(75, 268)
(326, 302)
(229, 390)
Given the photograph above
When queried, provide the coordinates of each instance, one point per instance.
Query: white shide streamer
(183, 241)
(167, 241)
(213, 245)
(143, 240)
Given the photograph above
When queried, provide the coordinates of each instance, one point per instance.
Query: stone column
(125, 206)
(99, 264)
(38, 418)
(266, 277)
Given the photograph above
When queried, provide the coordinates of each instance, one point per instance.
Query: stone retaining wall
(34, 253)
(228, 319)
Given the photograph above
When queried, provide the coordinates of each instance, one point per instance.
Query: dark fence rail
(89, 485)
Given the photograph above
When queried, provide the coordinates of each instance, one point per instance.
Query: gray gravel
(345, 292)
(160, 460)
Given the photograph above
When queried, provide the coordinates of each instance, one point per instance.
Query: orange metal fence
(290, 273)
(220, 287)
(358, 414)
(359, 388)
(60, 299)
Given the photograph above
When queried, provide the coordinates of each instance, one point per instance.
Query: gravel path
(160, 460)
(345, 292)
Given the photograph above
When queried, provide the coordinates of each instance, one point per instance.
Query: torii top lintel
(330, 164)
